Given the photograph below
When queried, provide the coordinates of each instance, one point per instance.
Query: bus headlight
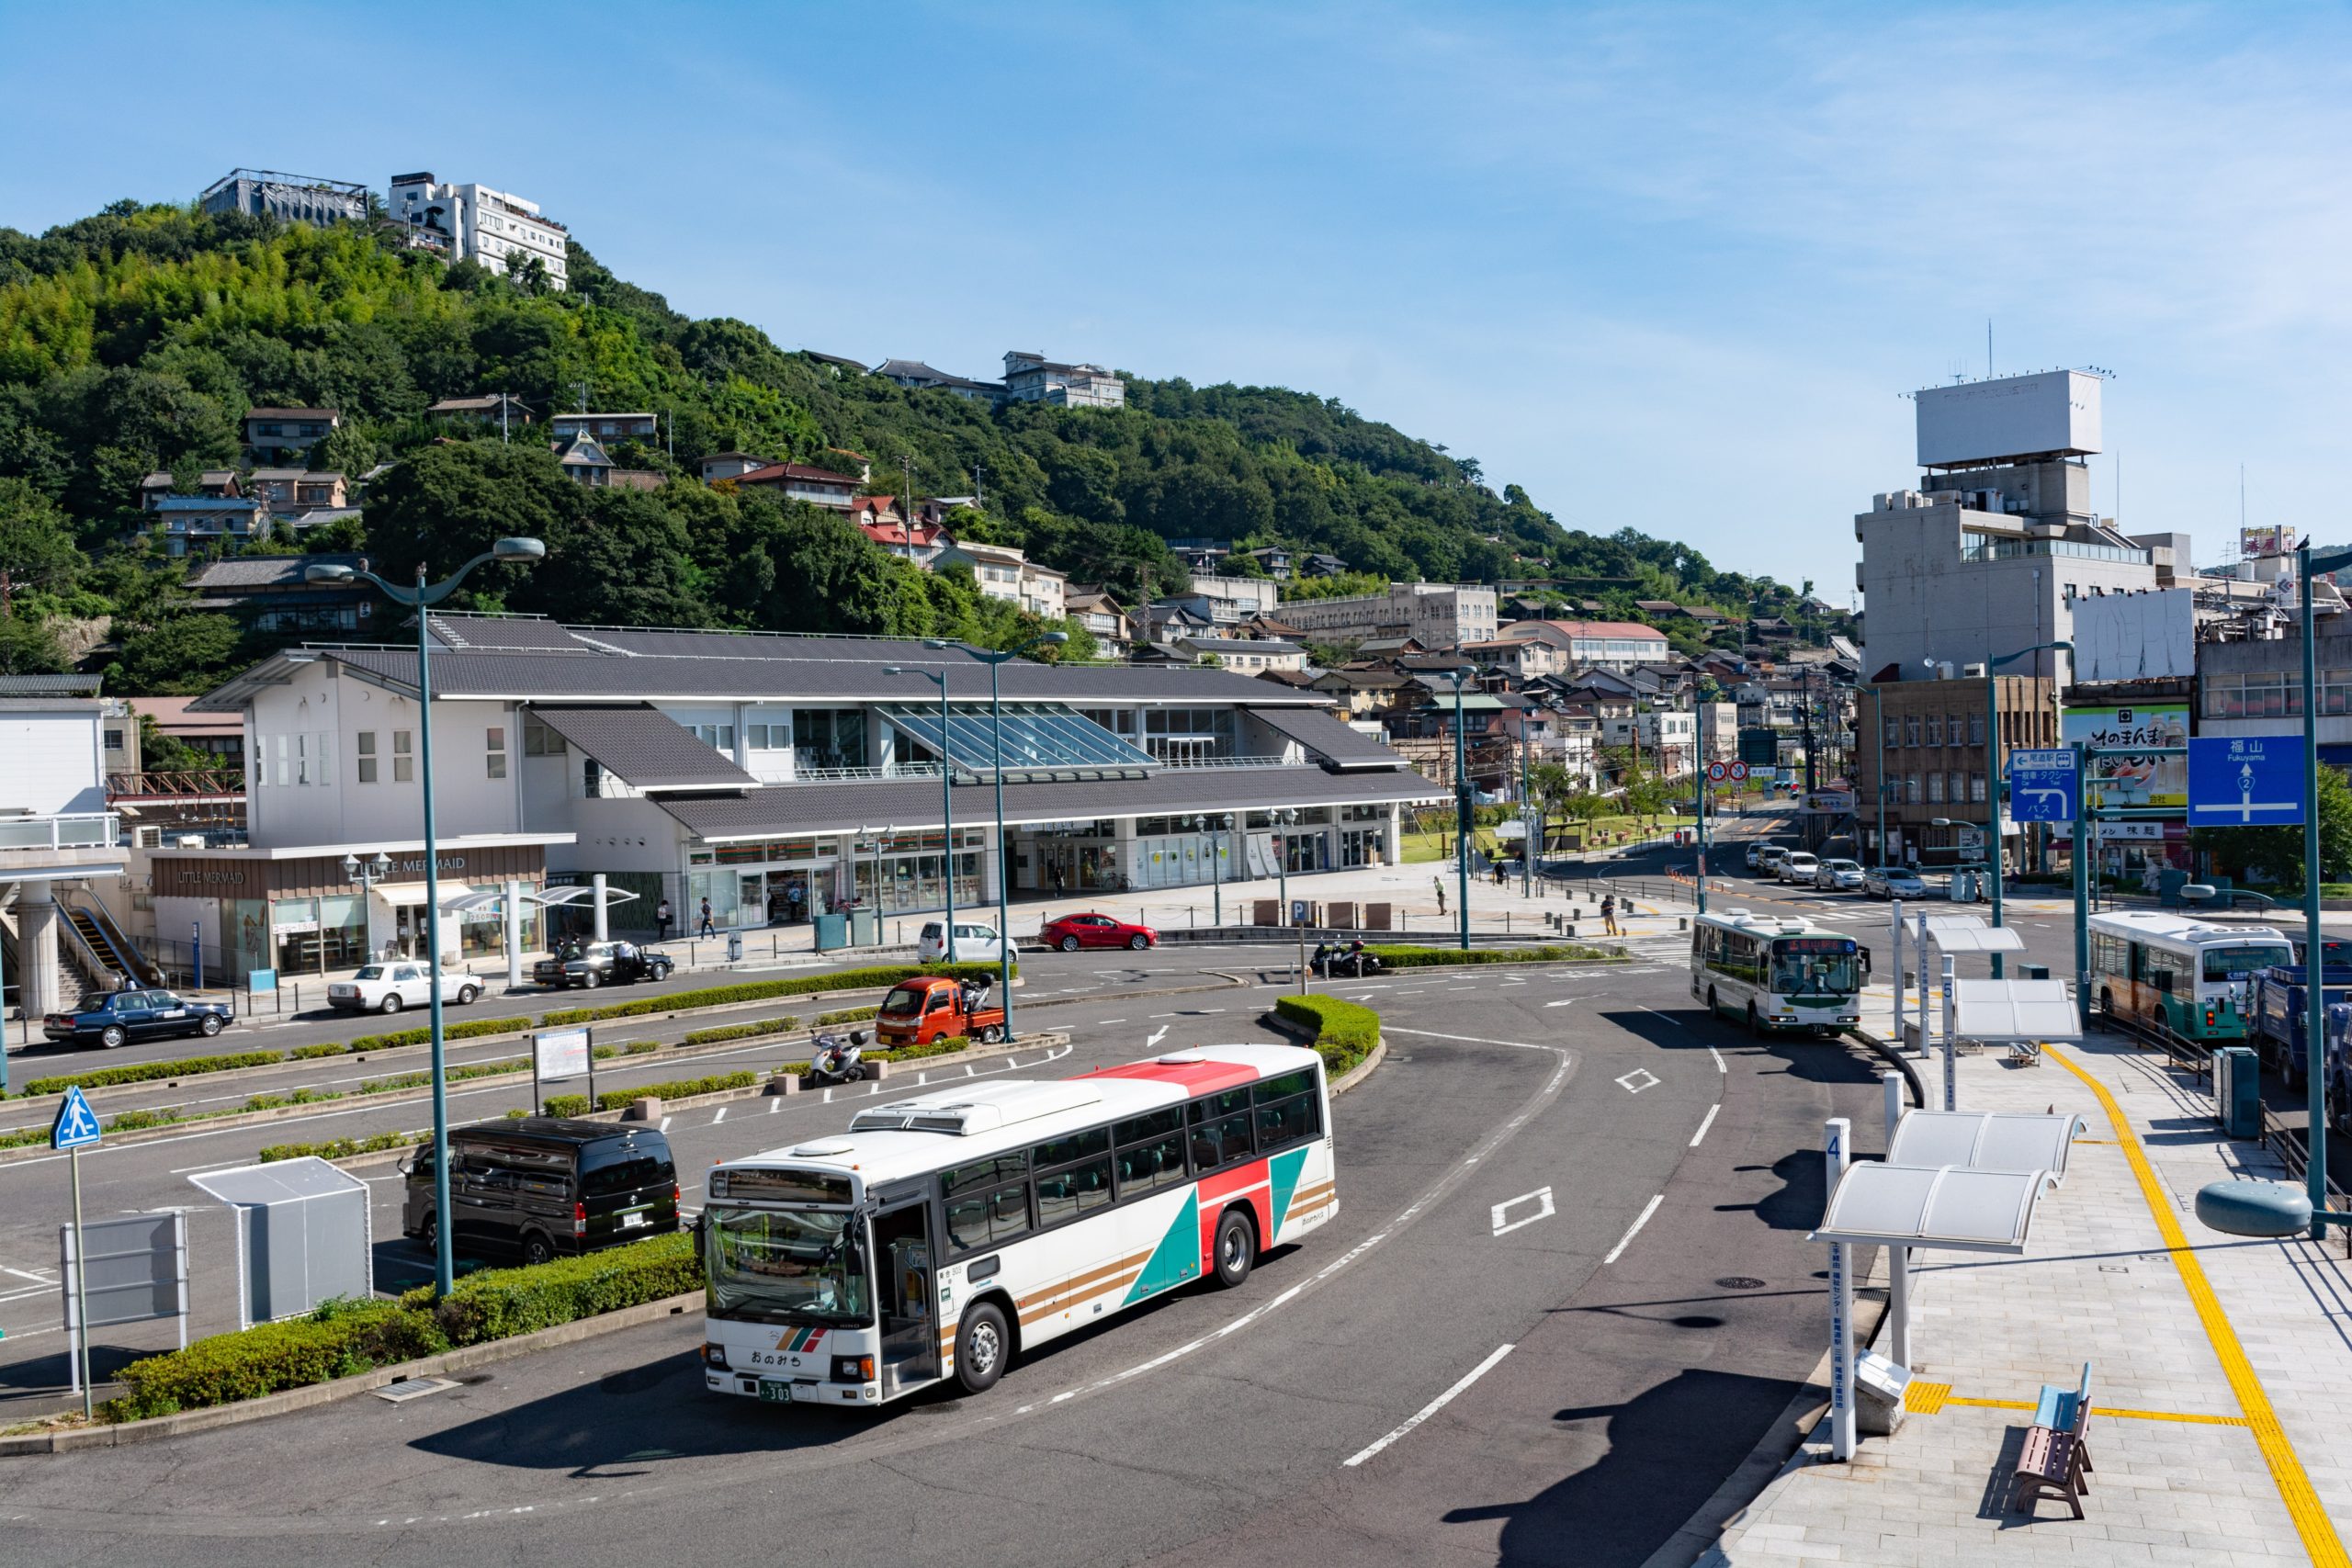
(853, 1369)
(714, 1356)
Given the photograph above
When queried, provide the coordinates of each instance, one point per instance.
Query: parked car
(605, 964)
(1837, 875)
(542, 1186)
(388, 988)
(974, 943)
(1798, 865)
(1893, 882)
(1070, 933)
(932, 1007)
(118, 1018)
(1768, 859)
(1755, 852)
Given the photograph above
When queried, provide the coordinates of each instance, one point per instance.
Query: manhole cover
(1740, 1282)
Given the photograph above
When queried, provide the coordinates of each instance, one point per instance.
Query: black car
(605, 964)
(543, 1186)
(118, 1018)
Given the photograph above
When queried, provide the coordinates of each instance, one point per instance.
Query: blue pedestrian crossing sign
(2245, 781)
(2042, 786)
(77, 1123)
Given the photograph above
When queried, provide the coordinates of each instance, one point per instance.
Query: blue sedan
(116, 1017)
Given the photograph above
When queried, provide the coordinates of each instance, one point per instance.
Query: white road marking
(36, 1279)
(829, 1097)
(1434, 1406)
(1706, 1121)
(1718, 1055)
(665, 1126)
(1639, 1079)
(1635, 1229)
(1156, 1035)
(1676, 1021)
(719, 1116)
(1541, 1197)
(1111, 1021)
(1564, 1002)
(776, 1105)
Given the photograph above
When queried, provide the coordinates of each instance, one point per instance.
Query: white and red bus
(944, 1234)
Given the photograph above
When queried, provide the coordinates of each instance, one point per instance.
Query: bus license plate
(780, 1391)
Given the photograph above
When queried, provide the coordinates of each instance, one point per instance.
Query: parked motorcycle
(839, 1061)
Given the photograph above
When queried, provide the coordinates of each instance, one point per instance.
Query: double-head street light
(367, 873)
(1224, 830)
(995, 660)
(420, 597)
(946, 796)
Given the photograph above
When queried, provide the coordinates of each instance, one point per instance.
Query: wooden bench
(2056, 1456)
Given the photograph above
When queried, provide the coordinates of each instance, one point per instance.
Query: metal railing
(79, 830)
(1255, 761)
(2194, 1055)
(192, 784)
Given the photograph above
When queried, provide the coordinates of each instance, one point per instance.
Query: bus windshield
(2237, 962)
(784, 1265)
(1812, 966)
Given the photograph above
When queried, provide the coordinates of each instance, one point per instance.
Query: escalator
(103, 938)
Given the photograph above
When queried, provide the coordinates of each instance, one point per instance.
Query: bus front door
(905, 1294)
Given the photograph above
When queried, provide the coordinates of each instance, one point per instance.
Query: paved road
(1660, 1315)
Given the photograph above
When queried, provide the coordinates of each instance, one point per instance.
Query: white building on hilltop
(473, 223)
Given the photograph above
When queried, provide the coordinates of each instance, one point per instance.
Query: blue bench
(2056, 1455)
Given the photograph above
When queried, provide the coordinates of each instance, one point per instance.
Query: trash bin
(734, 947)
(2237, 1091)
(832, 932)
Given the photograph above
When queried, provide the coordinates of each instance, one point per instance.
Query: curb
(1903, 1064)
(1306, 1036)
(293, 1399)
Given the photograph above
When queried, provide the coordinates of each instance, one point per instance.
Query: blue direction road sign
(77, 1123)
(2245, 781)
(2042, 786)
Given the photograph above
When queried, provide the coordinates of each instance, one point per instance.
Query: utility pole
(979, 495)
(907, 523)
(584, 395)
(504, 402)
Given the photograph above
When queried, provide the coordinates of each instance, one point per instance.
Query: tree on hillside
(448, 504)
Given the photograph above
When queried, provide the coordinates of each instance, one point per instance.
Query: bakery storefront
(299, 913)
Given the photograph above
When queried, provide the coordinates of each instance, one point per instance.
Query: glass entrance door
(905, 1294)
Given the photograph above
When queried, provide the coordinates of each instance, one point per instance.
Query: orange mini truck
(932, 1007)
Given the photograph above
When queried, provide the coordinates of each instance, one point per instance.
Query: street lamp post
(368, 874)
(422, 597)
(1993, 782)
(1878, 709)
(946, 798)
(995, 660)
(1217, 865)
(1461, 809)
(2307, 567)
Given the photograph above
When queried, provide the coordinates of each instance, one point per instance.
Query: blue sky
(1667, 266)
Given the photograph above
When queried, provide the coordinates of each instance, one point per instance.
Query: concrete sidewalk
(2223, 1368)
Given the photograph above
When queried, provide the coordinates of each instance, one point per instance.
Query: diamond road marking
(1541, 1197)
(1639, 1079)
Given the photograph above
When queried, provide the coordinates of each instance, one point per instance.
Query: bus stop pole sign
(2245, 781)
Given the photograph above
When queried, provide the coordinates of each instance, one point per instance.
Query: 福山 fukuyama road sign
(2245, 781)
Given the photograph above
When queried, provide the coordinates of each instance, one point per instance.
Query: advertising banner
(2132, 781)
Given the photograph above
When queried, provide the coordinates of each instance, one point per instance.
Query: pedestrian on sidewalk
(1609, 914)
(1061, 883)
(707, 929)
(1439, 883)
(662, 921)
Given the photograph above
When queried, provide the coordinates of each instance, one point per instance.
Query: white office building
(473, 223)
(1436, 615)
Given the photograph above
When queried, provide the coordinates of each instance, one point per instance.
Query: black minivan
(540, 1187)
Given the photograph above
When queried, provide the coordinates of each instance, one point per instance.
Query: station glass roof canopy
(1040, 738)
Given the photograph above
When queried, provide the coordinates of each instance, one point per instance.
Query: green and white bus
(2196, 977)
(1776, 971)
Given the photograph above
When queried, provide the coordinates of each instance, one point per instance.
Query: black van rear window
(627, 1175)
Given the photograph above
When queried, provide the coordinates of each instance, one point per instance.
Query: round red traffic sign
(1738, 770)
(1717, 773)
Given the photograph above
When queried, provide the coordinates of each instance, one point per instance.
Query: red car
(1070, 933)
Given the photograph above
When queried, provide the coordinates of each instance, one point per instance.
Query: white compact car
(974, 944)
(388, 988)
(1837, 875)
(1797, 866)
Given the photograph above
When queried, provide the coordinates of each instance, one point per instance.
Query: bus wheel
(1237, 1248)
(1755, 1024)
(1713, 1010)
(2107, 1008)
(983, 1344)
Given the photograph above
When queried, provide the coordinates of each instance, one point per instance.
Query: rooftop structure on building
(292, 198)
(473, 223)
(800, 481)
(486, 407)
(915, 375)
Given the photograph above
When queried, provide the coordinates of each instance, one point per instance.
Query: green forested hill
(135, 340)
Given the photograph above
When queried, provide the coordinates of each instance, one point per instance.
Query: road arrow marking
(1156, 1035)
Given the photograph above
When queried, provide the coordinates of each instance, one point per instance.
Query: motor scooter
(837, 1061)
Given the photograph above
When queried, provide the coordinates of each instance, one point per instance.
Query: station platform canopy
(1971, 1140)
(2000, 1011)
(1946, 1207)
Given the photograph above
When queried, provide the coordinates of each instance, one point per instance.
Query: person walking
(1061, 883)
(662, 921)
(705, 927)
(1439, 883)
(1609, 914)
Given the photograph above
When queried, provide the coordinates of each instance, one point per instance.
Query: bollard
(1572, 931)
(1682, 922)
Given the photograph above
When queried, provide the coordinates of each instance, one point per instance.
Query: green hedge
(498, 1304)
(677, 1088)
(148, 1072)
(1439, 957)
(848, 1015)
(466, 1031)
(630, 1048)
(338, 1340)
(945, 1045)
(312, 1052)
(1345, 1033)
(760, 990)
(455, 1074)
(564, 1105)
(343, 1338)
(742, 1031)
(343, 1148)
